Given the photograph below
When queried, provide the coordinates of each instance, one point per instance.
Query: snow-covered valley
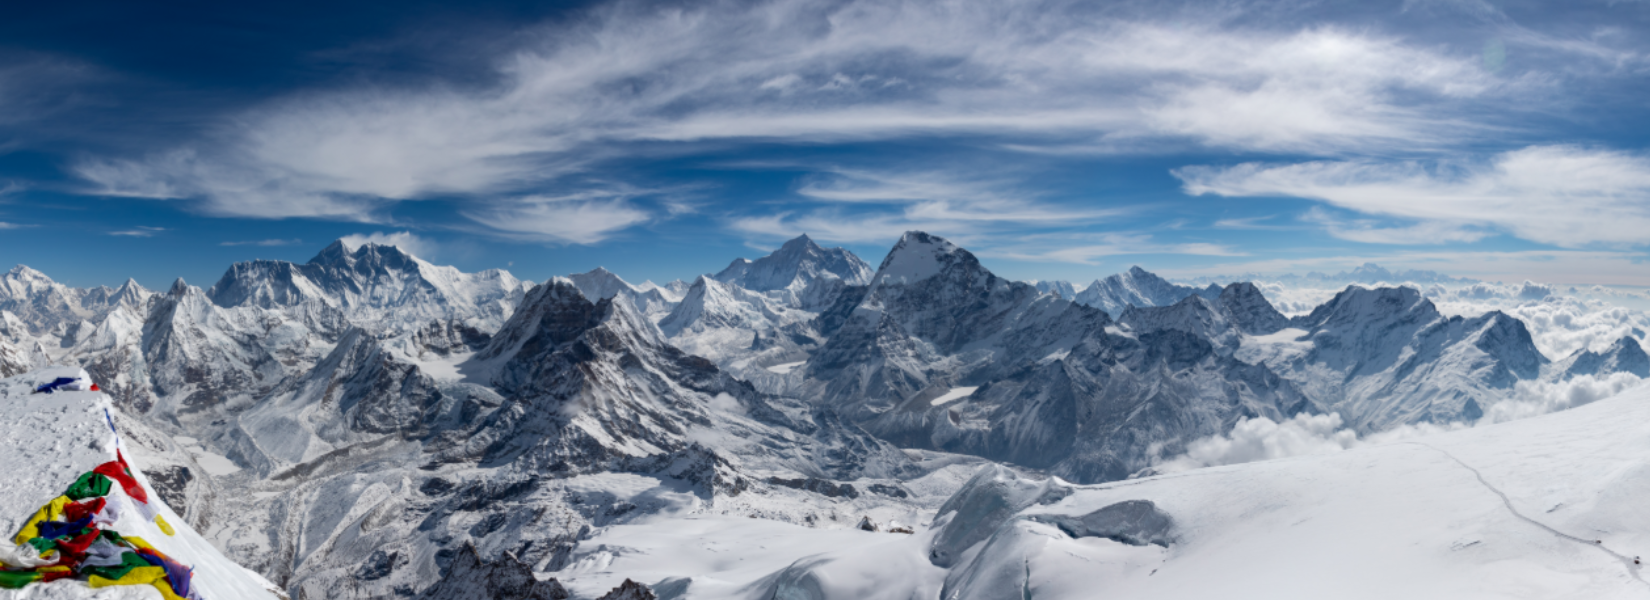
(803, 425)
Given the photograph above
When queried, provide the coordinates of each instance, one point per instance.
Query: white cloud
(1556, 266)
(566, 219)
(1563, 195)
(805, 70)
(1559, 324)
(404, 240)
(1264, 439)
(862, 205)
(274, 242)
(1533, 398)
(1373, 232)
(139, 231)
(1086, 248)
(1260, 438)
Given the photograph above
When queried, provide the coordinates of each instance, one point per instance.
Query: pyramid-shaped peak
(919, 256)
(795, 265)
(27, 272)
(1139, 272)
(335, 252)
(1369, 306)
(799, 242)
(599, 283)
(179, 287)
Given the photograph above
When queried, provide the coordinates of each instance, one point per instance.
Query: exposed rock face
(1056, 386)
(630, 590)
(637, 396)
(824, 487)
(506, 578)
(1245, 307)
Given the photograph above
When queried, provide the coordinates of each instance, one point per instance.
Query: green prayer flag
(12, 580)
(90, 485)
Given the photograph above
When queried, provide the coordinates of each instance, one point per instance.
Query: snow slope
(48, 441)
(1545, 508)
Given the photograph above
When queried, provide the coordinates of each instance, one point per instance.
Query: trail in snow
(1626, 561)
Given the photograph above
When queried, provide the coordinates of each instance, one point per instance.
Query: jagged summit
(25, 272)
(798, 263)
(1623, 356)
(649, 298)
(918, 256)
(369, 255)
(713, 304)
(1355, 305)
(1398, 360)
(1247, 308)
(600, 283)
(378, 287)
(1137, 287)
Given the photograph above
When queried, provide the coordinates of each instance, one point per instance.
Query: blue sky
(1498, 140)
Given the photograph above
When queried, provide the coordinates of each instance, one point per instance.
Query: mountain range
(389, 419)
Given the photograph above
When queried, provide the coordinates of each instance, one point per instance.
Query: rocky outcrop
(507, 578)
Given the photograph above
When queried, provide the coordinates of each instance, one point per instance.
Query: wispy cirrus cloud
(1086, 249)
(1027, 74)
(1568, 196)
(139, 231)
(269, 242)
(876, 205)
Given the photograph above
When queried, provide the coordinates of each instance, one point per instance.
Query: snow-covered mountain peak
(1249, 310)
(25, 273)
(1193, 314)
(919, 256)
(381, 288)
(367, 258)
(797, 264)
(1137, 287)
(1623, 356)
(179, 288)
(1361, 305)
(712, 304)
(600, 283)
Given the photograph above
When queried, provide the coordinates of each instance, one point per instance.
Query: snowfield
(1548, 507)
